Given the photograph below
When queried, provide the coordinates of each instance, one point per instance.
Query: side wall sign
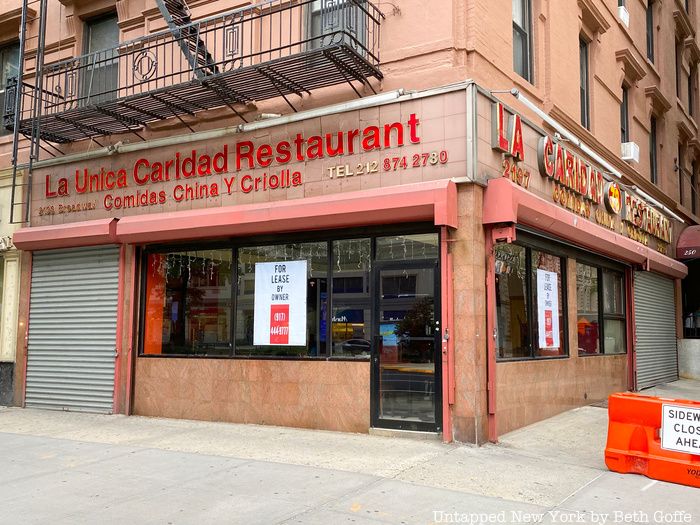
(578, 185)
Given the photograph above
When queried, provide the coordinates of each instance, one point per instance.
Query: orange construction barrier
(656, 437)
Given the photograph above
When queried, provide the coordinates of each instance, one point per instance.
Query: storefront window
(407, 247)
(511, 301)
(188, 300)
(352, 306)
(314, 299)
(531, 310)
(314, 293)
(600, 295)
(614, 332)
(588, 315)
(549, 276)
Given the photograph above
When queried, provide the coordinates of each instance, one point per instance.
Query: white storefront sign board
(547, 309)
(280, 304)
(680, 429)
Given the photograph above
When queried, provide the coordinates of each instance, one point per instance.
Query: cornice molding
(592, 17)
(659, 103)
(634, 69)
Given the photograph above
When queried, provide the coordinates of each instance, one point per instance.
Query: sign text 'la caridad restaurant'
(578, 184)
(193, 167)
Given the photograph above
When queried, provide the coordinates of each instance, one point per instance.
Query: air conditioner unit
(624, 15)
(630, 152)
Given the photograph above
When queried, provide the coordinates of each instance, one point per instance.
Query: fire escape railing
(275, 48)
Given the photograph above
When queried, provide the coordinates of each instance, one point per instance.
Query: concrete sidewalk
(681, 389)
(82, 468)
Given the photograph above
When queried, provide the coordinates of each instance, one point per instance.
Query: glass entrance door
(406, 386)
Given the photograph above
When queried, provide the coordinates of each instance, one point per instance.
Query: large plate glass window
(308, 299)
(315, 255)
(601, 318)
(351, 318)
(530, 303)
(188, 303)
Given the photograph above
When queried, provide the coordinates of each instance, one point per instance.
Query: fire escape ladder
(179, 19)
(18, 96)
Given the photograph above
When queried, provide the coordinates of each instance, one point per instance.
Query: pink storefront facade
(304, 214)
(427, 261)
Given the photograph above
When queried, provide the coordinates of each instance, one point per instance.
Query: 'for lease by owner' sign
(680, 429)
(280, 304)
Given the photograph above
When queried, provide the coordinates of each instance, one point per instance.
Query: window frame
(270, 240)
(624, 115)
(525, 34)
(89, 23)
(316, 8)
(4, 49)
(679, 67)
(691, 89)
(86, 94)
(602, 267)
(653, 151)
(531, 242)
(584, 85)
(650, 30)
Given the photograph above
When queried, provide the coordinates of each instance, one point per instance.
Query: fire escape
(275, 48)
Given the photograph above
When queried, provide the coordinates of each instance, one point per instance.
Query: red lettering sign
(548, 331)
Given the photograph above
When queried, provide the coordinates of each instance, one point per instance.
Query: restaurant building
(447, 258)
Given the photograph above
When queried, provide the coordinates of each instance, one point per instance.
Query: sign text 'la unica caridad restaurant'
(432, 262)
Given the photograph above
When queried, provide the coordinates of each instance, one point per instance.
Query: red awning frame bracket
(504, 233)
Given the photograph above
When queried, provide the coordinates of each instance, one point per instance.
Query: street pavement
(70, 468)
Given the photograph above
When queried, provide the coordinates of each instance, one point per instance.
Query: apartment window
(601, 318)
(678, 70)
(691, 90)
(9, 62)
(100, 78)
(337, 20)
(650, 30)
(653, 161)
(525, 331)
(624, 116)
(522, 41)
(585, 96)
